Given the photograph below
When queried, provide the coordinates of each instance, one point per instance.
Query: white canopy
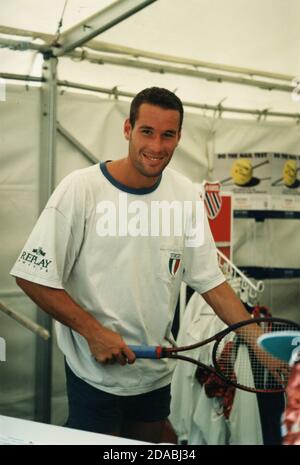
(257, 36)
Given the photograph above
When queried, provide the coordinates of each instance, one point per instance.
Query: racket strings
(216, 386)
(248, 366)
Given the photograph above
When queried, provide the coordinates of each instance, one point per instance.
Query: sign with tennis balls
(285, 174)
(245, 173)
(272, 179)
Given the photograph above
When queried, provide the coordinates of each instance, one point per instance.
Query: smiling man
(113, 290)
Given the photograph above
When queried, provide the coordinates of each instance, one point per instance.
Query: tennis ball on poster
(289, 172)
(241, 172)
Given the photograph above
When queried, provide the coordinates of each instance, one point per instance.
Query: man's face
(153, 139)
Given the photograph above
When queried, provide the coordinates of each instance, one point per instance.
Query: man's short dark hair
(159, 96)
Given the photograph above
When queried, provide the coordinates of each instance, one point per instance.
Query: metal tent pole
(118, 93)
(98, 23)
(75, 142)
(138, 53)
(162, 68)
(43, 378)
(216, 108)
(194, 70)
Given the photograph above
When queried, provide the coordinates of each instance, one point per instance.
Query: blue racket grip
(146, 351)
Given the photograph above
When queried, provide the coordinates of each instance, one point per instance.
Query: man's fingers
(125, 356)
(130, 356)
(281, 373)
(121, 355)
(105, 359)
(122, 358)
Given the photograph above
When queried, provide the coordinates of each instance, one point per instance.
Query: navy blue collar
(123, 187)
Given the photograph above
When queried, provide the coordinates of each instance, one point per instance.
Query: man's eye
(146, 131)
(169, 135)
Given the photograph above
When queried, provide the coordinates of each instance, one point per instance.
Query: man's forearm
(105, 344)
(226, 304)
(59, 304)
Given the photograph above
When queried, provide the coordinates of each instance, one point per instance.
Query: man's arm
(226, 304)
(105, 345)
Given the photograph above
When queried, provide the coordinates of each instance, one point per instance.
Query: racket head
(239, 360)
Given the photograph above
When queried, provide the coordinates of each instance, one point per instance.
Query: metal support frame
(98, 23)
(119, 93)
(43, 377)
(162, 68)
(22, 45)
(21, 77)
(48, 130)
(73, 141)
(106, 47)
(181, 66)
(13, 31)
(201, 106)
(138, 53)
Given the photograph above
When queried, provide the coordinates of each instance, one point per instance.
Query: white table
(17, 431)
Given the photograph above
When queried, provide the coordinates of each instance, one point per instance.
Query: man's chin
(154, 173)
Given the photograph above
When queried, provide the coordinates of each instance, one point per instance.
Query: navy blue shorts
(91, 409)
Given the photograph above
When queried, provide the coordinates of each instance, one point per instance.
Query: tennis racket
(235, 356)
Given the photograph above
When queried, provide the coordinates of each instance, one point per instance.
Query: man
(109, 289)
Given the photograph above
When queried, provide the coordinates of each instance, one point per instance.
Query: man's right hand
(107, 346)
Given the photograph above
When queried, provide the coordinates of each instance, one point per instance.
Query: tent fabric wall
(98, 123)
(19, 142)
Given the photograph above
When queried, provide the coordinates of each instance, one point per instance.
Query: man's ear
(179, 137)
(127, 129)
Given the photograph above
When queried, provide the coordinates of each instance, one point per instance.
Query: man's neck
(125, 173)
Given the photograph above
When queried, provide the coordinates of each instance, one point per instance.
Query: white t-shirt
(130, 284)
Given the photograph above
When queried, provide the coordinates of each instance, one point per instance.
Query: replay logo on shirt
(36, 258)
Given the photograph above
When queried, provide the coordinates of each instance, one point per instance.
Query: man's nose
(155, 144)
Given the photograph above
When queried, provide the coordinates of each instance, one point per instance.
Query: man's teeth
(153, 158)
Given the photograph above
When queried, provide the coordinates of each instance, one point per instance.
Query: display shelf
(258, 272)
(262, 215)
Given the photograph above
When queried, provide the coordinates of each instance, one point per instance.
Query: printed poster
(285, 182)
(247, 176)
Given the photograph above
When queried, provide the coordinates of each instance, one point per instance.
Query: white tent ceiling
(251, 34)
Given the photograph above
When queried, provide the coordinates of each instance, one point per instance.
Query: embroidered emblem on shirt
(39, 251)
(35, 259)
(174, 263)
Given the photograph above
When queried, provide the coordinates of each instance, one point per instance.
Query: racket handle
(146, 351)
